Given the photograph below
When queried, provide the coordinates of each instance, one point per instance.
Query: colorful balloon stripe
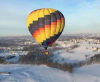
(46, 25)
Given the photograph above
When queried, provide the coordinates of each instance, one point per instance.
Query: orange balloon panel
(46, 25)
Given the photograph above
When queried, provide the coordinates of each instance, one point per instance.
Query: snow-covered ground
(80, 53)
(89, 73)
(29, 73)
(7, 54)
(16, 55)
(42, 73)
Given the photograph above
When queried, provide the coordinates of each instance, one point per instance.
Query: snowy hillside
(28, 63)
(42, 73)
(73, 52)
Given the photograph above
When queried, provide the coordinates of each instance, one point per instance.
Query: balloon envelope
(46, 25)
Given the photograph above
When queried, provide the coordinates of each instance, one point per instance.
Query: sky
(81, 16)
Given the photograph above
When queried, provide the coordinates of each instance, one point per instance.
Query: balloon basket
(46, 52)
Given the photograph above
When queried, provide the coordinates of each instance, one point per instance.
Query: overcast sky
(82, 16)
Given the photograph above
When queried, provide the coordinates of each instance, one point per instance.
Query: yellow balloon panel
(45, 25)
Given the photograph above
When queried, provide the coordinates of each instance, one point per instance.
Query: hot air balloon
(46, 25)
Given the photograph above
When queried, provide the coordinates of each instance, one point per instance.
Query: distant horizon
(28, 33)
(12, 35)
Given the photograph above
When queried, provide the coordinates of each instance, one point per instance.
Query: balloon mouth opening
(44, 44)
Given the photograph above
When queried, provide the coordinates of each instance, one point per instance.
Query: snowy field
(81, 53)
(42, 73)
(66, 53)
